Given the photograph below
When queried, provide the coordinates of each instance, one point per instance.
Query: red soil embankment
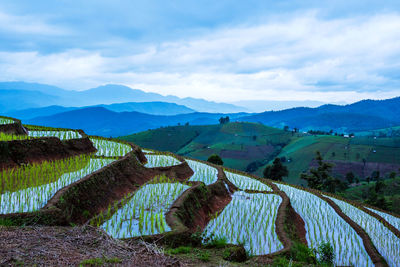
(17, 152)
(94, 193)
(15, 128)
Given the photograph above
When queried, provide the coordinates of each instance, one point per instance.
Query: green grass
(36, 174)
(179, 250)
(100, 261)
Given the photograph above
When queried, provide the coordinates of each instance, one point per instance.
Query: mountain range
(109, 111)
(21, 95)
(362, 115)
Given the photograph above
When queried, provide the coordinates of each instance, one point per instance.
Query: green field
(239, 144)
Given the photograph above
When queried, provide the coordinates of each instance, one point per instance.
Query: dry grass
(69, 246)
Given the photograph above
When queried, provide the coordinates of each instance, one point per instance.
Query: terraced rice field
(109, 148)
(147, 151)
(323, 224)
(246, 183)
(28, 188)
(395, 221)
(248, 219)
(11, 137)
(160, 161)
(384, 240)
(144, 213)
(6, 121)
(62, 135)
(41, 182)
(202, 172)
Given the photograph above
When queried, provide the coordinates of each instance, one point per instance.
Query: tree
(223, 120)
(320, 178)
(375, 176)
(350, 177)
(392, 175)
(379, 185)
(286, 128)
(276, 171)
(215, 159)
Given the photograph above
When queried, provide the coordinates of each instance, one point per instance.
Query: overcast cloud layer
(292, 50)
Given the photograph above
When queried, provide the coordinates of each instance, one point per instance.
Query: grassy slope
(236, 144)
(239, 144)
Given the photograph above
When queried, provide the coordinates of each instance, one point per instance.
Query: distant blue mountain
(154, 108)
(32, 95)
(359, 116)
(101, 121)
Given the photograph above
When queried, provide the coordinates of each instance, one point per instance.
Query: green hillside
(239, 144)
(251, 146)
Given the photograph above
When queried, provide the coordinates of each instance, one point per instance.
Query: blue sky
(331, 51)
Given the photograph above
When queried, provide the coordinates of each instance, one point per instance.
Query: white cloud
(16, 24)
(301, 58)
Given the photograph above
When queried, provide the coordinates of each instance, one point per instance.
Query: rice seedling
(36, 174)
(202, 172)
(395, 221)
(160, 161)
(6, 120)
(30, 187)
(144, 213)
(323, 224)
(12, 137)
(387, 244)
(62, 135)
(244, 182)
(109, 148)
(249, 219)
(147, 151)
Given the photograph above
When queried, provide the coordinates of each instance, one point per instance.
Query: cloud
(28, 25)
(300, 57)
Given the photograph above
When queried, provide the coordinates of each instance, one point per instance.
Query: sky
(225, 50)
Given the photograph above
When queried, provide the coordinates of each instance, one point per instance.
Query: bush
(326, 253)
(300, 252)
(280, 262)
(204, 256)
(235, 253)
(218, 242)
(215, 159)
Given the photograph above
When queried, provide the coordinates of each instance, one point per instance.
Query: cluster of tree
(320, 178)
(319, 132)
(276, 171)
(294, 130)
(376, 195)
(215, 159)
(224, 120)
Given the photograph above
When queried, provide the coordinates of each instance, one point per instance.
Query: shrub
(236, 253)
(218, 242)
(280, 262)
(215, 159)
(204, 256)
(326, 253)
(300, 252)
